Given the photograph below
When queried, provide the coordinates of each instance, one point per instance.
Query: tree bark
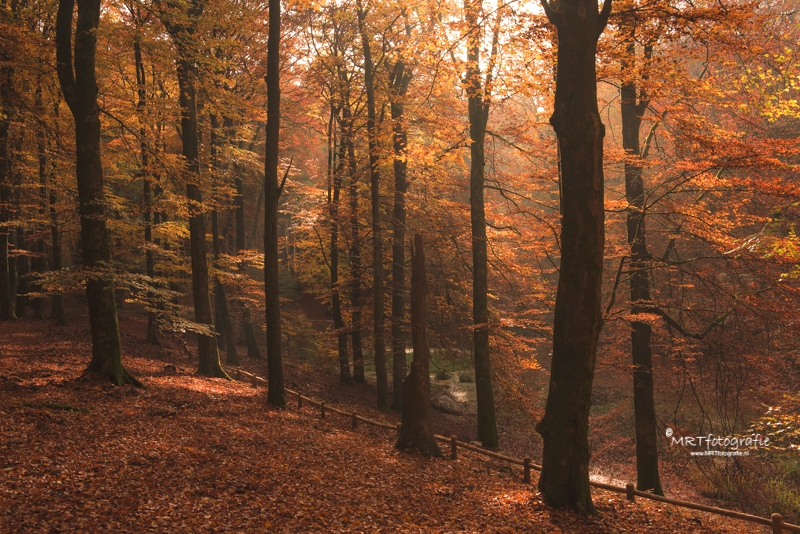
(633, 107)
(478, 102)
(147, 197)
(336, 159)
(182, 33)
(355, 250)
(401, 77)
(40, 263)
(6, 298)
(415, 431)
(379, 343)
(564, 481)
(275, 392)
(57, 311)
(80, 92)
(225, 334)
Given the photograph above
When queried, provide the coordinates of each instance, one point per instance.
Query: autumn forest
(558, 230)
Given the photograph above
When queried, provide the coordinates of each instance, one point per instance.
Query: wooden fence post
(453, 448)
(526, 464)
(629, 492)
(777, 522)
(322, 410)
(355, 420)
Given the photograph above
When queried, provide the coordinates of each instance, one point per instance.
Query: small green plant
(441, 374)
(466, 377)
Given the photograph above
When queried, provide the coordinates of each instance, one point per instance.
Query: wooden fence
(776, 521)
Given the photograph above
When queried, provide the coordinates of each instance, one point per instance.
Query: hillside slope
(190, 454)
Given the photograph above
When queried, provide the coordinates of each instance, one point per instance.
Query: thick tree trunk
(401, 79)
(478, 115)
(564, 481)
(275, 392)
(379, 343)
(80, 92)
(632, 109)
(415, 431)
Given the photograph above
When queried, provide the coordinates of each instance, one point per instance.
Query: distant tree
(564, 481)
(415, 431)
(80, 92)
(379, 343)
(181, 23)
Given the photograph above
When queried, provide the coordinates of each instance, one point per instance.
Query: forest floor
(192, 454)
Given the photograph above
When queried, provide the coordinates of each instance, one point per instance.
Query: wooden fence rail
(776, 521)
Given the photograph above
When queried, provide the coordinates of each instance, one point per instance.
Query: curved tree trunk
(80, 92)
(564, 481)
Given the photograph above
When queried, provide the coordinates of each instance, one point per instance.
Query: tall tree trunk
(57, 311)
(6, 298)
(415, 431)
(23, 263)
(225, 333)
(335, 170)
(80, 92)
(209, 364)
(147, 197)
(401, 77)
(355, 249)
(478, 101)
(633, 107)
(40, 263)
(182, 33)
(379, 343)
(272, 191)
(564, 481)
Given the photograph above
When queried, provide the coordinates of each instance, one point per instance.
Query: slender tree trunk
(6, 299)
(379, 343)
(57, 311)
(80, 92)
(564, 481)
(633, 107)
(23, 271)
(415, 431)
(225, 333)
(147, 198)
(335, 170)
(401, 78)
(478, 101)
(40, 263)
(355, 251)
(272, 190)
(207, 344)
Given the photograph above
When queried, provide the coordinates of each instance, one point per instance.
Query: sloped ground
(207, 455)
